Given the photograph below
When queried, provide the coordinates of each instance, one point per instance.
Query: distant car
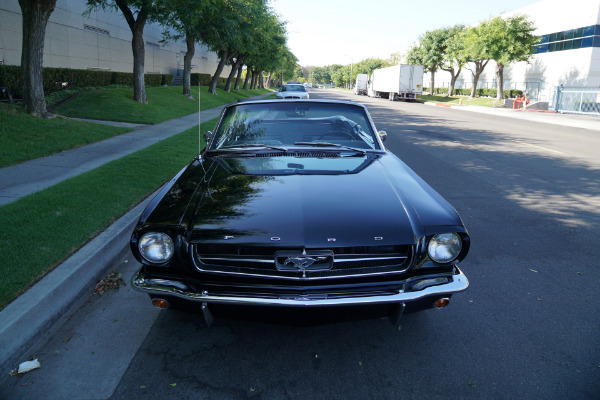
(298, 204)
(292, 91)
(308, 86)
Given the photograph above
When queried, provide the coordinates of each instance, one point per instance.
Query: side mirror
(207, 136)
(382, 135)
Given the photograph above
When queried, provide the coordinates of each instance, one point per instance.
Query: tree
(35, 14)
(136, 13)
(477, 45)
(186, 19)
(429, 52)
(228, 34)
(266, 49)
(394, 59)
(454, 57)
(509, 40)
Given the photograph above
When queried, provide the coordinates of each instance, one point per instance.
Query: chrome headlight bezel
(156, 247)
(444, 248)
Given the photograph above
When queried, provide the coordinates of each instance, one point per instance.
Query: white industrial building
(568, 55)
(100, 41)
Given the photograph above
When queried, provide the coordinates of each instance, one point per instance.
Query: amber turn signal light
(160, 303)
(441, 303)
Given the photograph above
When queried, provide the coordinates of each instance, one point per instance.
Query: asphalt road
(527, 327)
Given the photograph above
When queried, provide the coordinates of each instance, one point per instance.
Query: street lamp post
(351, 63)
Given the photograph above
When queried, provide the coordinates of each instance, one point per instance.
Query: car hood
(382, 203)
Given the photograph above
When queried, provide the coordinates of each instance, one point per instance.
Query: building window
(578, 38)
(95, 29)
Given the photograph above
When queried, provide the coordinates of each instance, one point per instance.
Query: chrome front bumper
(458, 282)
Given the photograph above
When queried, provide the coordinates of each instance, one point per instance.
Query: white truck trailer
(362, 84)
(397, 82)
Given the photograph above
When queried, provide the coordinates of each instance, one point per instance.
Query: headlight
(444, 247)
(156, 247)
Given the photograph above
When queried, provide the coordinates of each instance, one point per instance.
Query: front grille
(285, 263)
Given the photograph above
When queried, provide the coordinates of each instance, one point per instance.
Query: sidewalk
(20, 180)
(569, 120)
(29, 321)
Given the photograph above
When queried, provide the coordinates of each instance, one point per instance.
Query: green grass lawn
(463, 100)
(24, 137)
(164, 103)
(43, 229)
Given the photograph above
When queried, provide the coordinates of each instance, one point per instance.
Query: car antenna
(199, 126)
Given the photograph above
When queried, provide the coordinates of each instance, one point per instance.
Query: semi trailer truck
(397, 82)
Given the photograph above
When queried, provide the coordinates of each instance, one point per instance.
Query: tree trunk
(500, 78)
(190, 40)
(452, 84)
(137, 46)
(247, 79)
(234, 70)
(215, 79)
(239, 76)
(432, 89)
(253, 80)
(269, 78)
(139, 56)
(35, 14)
(261, 80)
(479, 67)
(453, 78)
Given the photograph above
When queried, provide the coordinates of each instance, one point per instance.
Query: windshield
(295, 124)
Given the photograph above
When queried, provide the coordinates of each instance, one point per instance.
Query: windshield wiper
(327, 144)
(251, 145)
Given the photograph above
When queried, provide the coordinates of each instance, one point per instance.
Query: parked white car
(292, 91)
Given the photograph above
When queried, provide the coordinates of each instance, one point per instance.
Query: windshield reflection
(285, 124)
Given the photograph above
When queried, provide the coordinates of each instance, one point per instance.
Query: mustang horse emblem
(300, 262)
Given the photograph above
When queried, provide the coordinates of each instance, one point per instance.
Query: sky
(325, 32)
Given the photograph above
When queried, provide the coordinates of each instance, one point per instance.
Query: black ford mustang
(299, 204)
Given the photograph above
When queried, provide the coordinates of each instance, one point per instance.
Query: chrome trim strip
(256, 260)
(369, 259)
(299, 277)
(140, 282)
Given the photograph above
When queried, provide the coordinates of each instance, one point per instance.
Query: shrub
(200, 79)
(57, 79)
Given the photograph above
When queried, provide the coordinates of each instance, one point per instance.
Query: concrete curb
(29, 320)
(431, 103)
